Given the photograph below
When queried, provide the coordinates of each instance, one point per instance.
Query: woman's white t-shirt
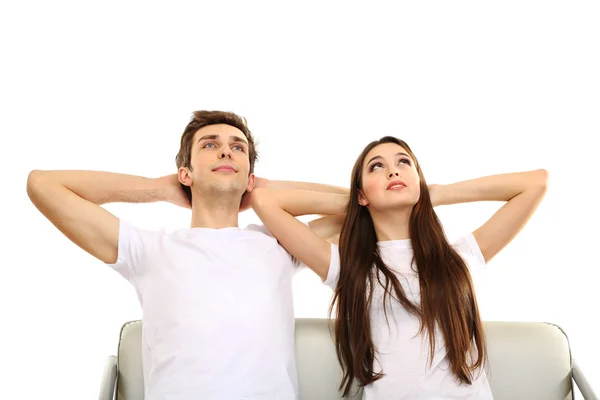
(402, 354)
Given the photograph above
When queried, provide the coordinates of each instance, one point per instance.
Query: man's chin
(227, 189)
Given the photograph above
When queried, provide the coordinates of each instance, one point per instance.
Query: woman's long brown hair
(447, 294)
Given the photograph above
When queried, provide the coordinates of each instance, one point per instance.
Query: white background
(475, 89)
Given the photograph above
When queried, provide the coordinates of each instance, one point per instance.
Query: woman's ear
(362, 200)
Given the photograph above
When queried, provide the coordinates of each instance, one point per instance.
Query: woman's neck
(392, 225)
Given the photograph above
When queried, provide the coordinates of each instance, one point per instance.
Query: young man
(218, 318)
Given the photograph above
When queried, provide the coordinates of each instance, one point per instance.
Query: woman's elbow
(541, 179)
(259, 198)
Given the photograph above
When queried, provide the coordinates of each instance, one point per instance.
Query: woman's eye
(375, 166)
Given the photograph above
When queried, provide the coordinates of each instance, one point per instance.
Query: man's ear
(362, 200)
(184, 176)
(251, 182)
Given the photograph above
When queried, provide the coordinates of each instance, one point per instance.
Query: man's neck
(392, 225)
(215, 212)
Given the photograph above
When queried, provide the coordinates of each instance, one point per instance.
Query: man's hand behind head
(173, 191)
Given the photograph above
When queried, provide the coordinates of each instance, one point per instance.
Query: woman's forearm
(501, 187)
(301, 202)
(308, 186)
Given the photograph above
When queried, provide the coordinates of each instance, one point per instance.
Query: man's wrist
(163, 188)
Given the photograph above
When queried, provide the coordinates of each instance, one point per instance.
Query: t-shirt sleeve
(468, 248)
(132, 247)
(334, 267)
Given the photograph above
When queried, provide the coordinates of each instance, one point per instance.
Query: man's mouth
(224, 168)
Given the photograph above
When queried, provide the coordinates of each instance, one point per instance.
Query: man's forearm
(103, 187)
(501, 187)
(309, 186)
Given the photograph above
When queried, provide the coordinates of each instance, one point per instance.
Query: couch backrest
(528, 360)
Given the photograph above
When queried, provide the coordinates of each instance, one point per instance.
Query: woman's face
(389, 178)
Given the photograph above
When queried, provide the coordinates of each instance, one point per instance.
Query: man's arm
(71, 201)
(521, 191)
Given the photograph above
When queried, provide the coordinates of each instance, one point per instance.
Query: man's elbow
(36, 181)
(33, 181)
(540, 181)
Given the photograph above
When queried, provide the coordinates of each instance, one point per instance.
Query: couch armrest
(582, 383)
(109, 379)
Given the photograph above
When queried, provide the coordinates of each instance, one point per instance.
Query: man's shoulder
(259, 228)
(128, 228)
(263, 229)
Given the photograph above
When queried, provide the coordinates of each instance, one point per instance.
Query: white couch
(528, 361)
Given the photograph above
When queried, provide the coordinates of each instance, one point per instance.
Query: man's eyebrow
(215, 137)
(238, 139)
(208, 137)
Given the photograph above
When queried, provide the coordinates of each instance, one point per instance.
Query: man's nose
(225, 153)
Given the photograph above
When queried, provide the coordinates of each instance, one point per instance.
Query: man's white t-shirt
(402, 354)
(218, 320)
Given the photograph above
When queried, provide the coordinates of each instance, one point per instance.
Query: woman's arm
(522, 192)
(277, 209)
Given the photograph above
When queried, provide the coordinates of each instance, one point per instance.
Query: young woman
(407, 324)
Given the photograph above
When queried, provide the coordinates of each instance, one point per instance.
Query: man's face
(219, 162)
